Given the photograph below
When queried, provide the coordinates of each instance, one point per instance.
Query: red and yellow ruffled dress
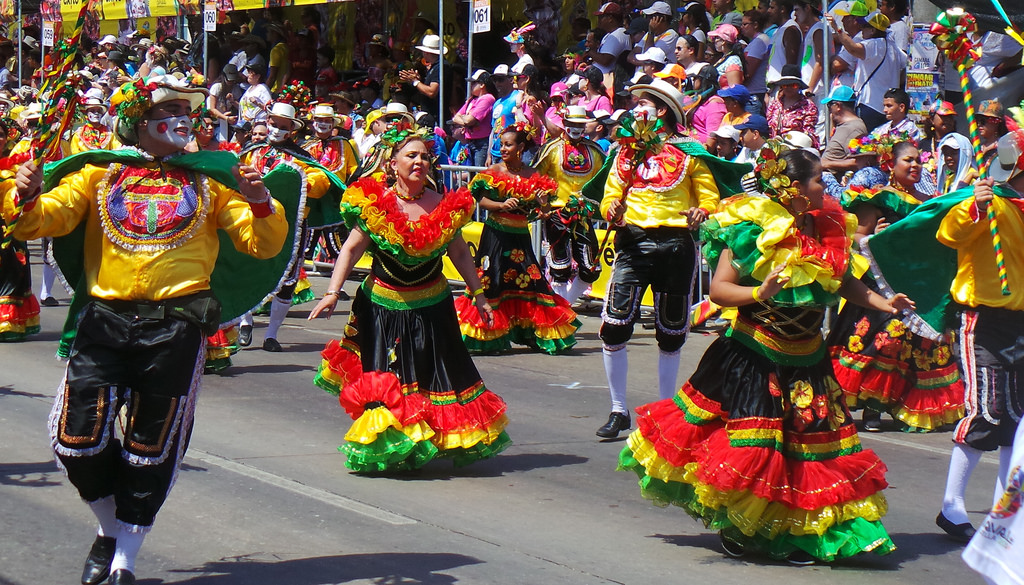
(219, 348)
(19, 308)
(759, 443)
(879, 362)
(401, 370)
(526, 310)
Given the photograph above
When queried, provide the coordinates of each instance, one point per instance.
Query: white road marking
(986, 458)
(295, 487)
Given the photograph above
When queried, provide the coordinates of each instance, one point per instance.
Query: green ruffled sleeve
(885, 199)
(481, 188)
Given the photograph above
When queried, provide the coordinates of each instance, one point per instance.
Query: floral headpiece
(516, 36)
(400, 130)
(131, 101)
(524, 127)
(297, 94)
(880, 146)
(770, 171)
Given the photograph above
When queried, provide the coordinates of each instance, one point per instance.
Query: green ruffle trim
(19, 335)
(481, 188)
(741, 239)
(778, 357)
(840, 541)
(521, 336)
(324, 384)
(303, 296)
(393, 450)
(216, 366)
(885, 199)
(352, 217)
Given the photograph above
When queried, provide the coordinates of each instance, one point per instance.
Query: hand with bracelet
(482, 306)
(772, 284)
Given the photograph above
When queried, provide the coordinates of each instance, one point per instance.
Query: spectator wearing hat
(595, 94)
(709, 112)
(252, 106)
(754, 133)
(516, 40)
(736, 98)
(836, 156)
(880, 65)
(572, 159)
(850, 12)
(474, 118)
(600, 127)
(730, 62)
(610, 56)
(940, 122)
(93, 134)
(991, 126)
(559, 102)
(225, 95)
(787, 39)
(724, 142)
(791, 109)
(503, 113)
(428, 94)
(655, 212)
(694, 19)
(651, 61)
(659, 34)
(755, 58)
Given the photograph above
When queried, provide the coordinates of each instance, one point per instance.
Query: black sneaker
(617, 422)
(959, 532)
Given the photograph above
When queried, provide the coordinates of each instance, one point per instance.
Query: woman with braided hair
(400, 369)
(526, 310)
(758, 443)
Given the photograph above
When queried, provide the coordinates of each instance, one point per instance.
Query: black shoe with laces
(617, 422)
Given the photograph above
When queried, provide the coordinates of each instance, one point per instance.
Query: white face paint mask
(574, 133)
(645, 113)
(275, 135)
(94, 117)
(163, 130)
(322, 127)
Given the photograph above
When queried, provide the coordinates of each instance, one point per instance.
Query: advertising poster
(924, 74)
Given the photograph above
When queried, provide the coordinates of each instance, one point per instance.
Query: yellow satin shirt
(663, 187)
(154, 247)
(977, 278)
(570, 174)
(265, 158)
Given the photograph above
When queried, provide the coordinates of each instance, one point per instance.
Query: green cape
(906, 257)
(727, 174)
(239, 281)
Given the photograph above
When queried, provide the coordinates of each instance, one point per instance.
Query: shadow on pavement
(16, 474)
(10, 391)
(236, 370)
(910, 546)
(442, 470)
(382, 568)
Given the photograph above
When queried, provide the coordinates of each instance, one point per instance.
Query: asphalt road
(264, 497)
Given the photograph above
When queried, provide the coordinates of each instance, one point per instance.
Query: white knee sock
(128, 545)
(668, 370)
(49, 275)
(577, 288)
(616, 367)
(246, 319)
(1005, 456)
(561, 289)
(961, 464)
(104, 509)
(278, 311)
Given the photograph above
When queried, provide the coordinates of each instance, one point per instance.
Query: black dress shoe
(245, 335)
(122, 577)
(50, 302)
(617, 422)
(271, 344)
(872, 420)
(97, 564)
(732, 548)
(958, 532)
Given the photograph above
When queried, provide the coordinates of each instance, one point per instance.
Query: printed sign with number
(210, 17)
(47, 33)
(481, 16)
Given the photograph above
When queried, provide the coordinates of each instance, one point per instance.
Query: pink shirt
(480, 109)
(600, 102)
(708, 118)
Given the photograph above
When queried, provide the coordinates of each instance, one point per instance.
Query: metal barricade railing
(456, 177)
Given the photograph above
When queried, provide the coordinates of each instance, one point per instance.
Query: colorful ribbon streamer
(952, 30)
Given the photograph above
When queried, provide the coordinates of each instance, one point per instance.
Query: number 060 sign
(481, 16)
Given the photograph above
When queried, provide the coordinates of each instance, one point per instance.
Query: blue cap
(755, 122)
(736, 92)
(841, 93)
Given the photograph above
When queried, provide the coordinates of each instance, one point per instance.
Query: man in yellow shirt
(149, 248)
(992, 326)
(655, 197)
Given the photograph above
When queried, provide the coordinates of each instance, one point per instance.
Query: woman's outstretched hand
(326, 305)
(901, 302)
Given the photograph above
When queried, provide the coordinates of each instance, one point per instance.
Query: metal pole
(469, 58)
(206, 54)
(826, 49)
(21, 34)
(440, 64)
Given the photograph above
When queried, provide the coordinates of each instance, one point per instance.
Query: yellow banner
(248, 4)
(114, 10)
(163, 8)
(69, 9)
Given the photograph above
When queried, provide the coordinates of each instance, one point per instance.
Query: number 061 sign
(481, 16)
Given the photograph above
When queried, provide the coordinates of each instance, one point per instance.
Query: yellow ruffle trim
(481, 334)
(467, 438)
(748, 512)
(921, 420)
(375, 421)
(777, 226)
(8, 327)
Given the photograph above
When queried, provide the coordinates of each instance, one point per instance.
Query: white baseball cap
(653, 55)
(658, 8)
(109, 39)
(727, 131)
(1009, 160)
(501, 70)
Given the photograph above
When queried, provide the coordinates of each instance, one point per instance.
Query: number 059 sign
(481, 16)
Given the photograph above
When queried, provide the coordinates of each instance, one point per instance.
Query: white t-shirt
(807, 60)
(666, 41)
(758, 49)
(846, 77)
(777, 52)
(613, 43)
(871, 84)
(252, 107)
(899, 32)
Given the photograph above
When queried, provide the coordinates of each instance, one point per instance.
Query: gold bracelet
(477, 292)
(336, 293)
(757, 298)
